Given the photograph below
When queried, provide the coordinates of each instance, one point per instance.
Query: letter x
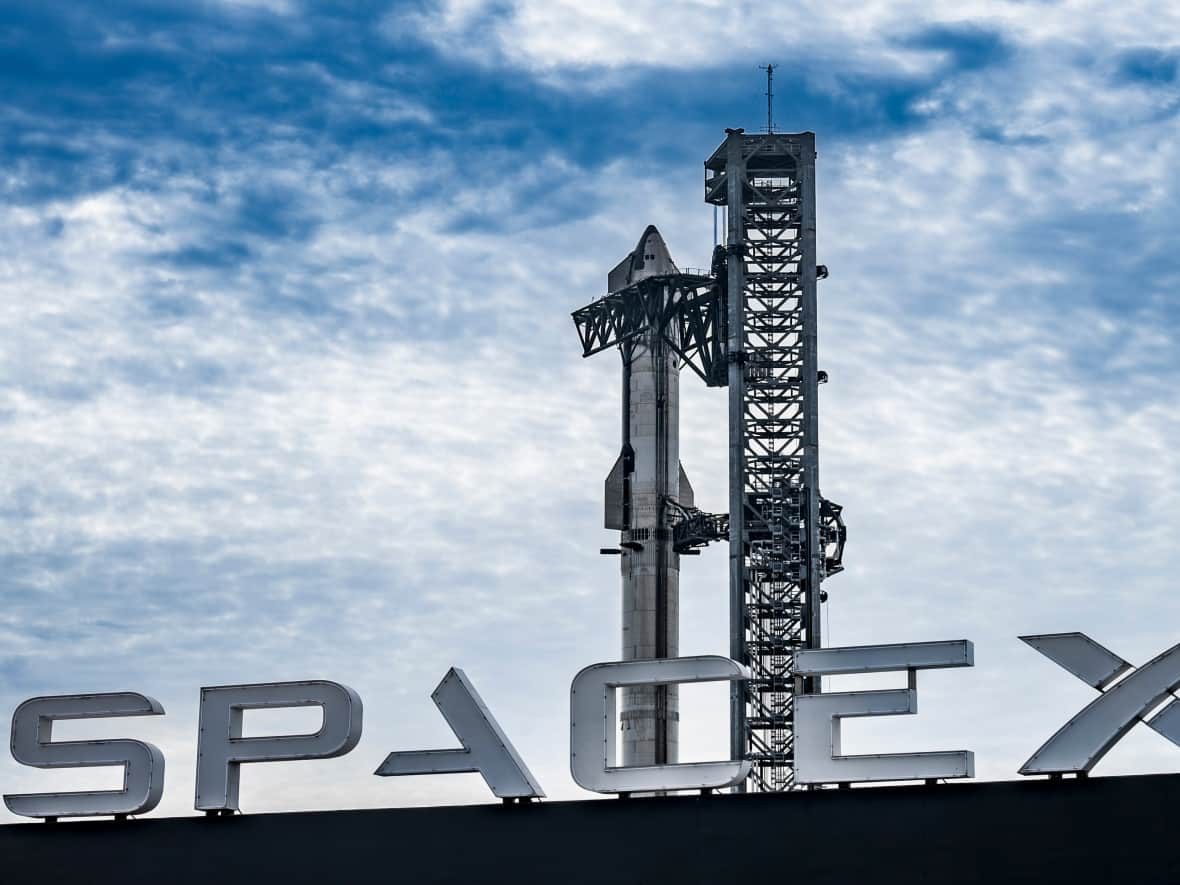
(1124, 700)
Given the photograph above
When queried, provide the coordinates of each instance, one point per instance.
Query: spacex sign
(1126, 695)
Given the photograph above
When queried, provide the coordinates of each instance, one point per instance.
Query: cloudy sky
(290, 387)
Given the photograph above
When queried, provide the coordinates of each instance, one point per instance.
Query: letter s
(32, 744)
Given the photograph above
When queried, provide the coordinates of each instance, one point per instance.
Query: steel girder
(688, 310)
(697, 529)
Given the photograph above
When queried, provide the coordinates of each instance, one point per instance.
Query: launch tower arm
(697, 529)
(688, 310)
(612, 320)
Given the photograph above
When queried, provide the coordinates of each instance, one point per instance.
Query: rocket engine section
(646, 477)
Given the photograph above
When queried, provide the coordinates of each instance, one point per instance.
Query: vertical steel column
(810, 385)
(664, 729)
(735, 348)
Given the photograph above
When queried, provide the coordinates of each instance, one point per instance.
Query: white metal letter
(486, 748)
(221, 749)
(1087, 737)
(32, 744)
(593, 723)
(818, 759)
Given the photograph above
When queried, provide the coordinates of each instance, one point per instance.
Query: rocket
(642, 491)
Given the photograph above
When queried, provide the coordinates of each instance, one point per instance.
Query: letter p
(221, 748)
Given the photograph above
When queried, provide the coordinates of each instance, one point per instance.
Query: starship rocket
(646, 479)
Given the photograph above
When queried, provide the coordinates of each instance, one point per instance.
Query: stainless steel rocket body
(641, 493)
(649, 567)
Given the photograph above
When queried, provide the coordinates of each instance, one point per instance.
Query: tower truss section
(784, 539)
(686, 309)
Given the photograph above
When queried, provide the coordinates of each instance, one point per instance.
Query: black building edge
(1100, 830)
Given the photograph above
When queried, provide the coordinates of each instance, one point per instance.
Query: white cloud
(278, 7)
(544, 35)
(227, 488)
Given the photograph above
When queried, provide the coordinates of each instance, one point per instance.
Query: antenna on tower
(769, 68)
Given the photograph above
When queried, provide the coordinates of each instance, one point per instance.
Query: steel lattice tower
(778, 524)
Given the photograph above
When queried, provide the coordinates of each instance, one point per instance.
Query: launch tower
(784, 538)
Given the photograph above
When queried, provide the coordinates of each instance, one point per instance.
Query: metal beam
(687, 310)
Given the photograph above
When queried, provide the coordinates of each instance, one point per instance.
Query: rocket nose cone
(652, 244)
(651, 256)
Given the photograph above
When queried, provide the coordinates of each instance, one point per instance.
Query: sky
(289, 387)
